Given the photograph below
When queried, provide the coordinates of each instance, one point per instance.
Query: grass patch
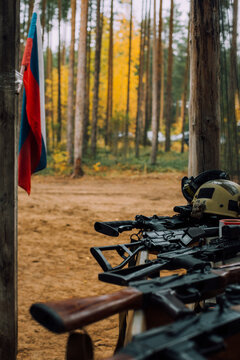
(106, 163)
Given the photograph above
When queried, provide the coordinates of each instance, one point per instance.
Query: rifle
(189, 258)
(154, 241)
(192, 337)
(169, 294)
(154, 223)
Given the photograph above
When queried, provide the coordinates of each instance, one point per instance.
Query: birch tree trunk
(154, 93)
(80, 91)
(71, 86)
(169, 83)
(97, 63)
(204, 109)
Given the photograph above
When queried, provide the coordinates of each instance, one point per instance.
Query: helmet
(191, 185)
(218, 197)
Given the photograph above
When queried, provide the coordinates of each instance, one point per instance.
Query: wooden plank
(9, 40)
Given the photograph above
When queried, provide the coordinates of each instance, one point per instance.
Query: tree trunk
(204, 109)
(148, 80)
(44, 2)
(63, 52)
(59, 123)
(128, 84)
(52, 105)
(140, 84)
(162, 90)
(110, 79)
(81, 91)
(30, 11)
(88, 70)
(160, 65)
(169, 84)
(233, 86)
(155, 122)
(9, 47)
(70, 112)
(184, 94)
(47, 98)
(97, 62)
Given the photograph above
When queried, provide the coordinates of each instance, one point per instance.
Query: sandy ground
(55, 234)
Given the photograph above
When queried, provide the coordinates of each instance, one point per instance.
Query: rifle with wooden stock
(192, 337)
(168, 294)
(189, 258)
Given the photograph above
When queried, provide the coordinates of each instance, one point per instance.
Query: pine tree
(169, 83)
(97, 66)
(71, 86)
(80, 92)
(128, 83)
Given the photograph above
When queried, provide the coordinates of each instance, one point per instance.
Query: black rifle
(156, 223)
(192, 337)
(154, 241)
(168, 294)
(189, 258)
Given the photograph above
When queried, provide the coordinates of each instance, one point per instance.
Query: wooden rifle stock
(71, 314)
(67, 315)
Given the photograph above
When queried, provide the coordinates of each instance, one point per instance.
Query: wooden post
(204, 108)
(9, 43)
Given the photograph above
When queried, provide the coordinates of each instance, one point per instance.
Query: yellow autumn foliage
(120, 78)
(51, 94)
(120, 72)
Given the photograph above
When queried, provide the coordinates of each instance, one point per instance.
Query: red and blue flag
(32, 141)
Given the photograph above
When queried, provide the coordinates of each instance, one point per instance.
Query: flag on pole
(32, 141)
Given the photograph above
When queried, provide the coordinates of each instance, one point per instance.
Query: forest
(135, 86)
(117, 83)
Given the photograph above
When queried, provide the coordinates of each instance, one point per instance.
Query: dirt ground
(55, 234)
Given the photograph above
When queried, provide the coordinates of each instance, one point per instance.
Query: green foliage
(65, 8)
(106, 163)
(57, 163)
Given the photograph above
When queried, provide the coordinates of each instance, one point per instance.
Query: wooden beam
(9, 41)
